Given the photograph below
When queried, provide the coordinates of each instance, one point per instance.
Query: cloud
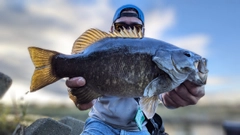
(55, 25)
(48, 23)
(195, 42)
(52, 25)
(157, 22)
(217, 80)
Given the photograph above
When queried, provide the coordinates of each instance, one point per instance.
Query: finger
(76, 82)
(195, 90)
(168, 102)
(178, 100)
(76, 92)
(79, 106)
(184, 93)
(85, 106)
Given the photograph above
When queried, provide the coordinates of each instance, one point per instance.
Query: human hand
(185, 94)
(74, 83)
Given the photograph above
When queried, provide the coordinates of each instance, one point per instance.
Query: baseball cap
(119, 13)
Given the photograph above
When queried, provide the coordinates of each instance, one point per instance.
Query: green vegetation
(57, 112)
(8, 123)
(11, 116)
(192, 116)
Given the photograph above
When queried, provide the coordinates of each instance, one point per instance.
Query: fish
(122, 64)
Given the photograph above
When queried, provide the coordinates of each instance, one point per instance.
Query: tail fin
(42, 75)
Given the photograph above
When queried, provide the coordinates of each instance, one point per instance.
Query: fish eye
(187, 54)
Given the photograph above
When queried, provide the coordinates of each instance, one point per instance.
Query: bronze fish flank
(122, 64)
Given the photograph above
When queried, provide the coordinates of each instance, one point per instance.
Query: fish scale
(115, 64)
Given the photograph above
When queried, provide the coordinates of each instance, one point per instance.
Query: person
(115, 115)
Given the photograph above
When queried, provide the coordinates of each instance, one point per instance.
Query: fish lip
(202, 70)
(196, 63)
(202, 66)
(203, 77)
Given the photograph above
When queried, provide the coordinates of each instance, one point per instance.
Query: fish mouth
(196, 64)
(201, 65)
(202, 70)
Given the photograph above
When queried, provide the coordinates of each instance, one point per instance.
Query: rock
(75, 124)
(47, 126)
(5, 83)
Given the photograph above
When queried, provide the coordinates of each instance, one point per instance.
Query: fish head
(182, 65)
(187, 62)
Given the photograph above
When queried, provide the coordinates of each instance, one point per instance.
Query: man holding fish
(119, 115)
(123, 75)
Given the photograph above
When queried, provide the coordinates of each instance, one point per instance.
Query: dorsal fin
(87, 38)
(132, 33)
(93, 35)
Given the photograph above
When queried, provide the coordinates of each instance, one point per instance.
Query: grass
(21, 113)
(7, 125)
(57, 111)
(12, 116)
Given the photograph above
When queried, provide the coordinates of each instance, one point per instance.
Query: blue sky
(210, 28)
(220, 21)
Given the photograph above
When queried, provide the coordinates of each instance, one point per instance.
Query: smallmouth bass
(122, 64)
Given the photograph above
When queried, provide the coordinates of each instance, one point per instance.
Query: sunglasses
(121, 25)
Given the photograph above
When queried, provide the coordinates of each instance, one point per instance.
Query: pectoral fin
(152, 87)
(149, 105)
(163, 83)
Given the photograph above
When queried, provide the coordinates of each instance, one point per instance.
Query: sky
(209, 28)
